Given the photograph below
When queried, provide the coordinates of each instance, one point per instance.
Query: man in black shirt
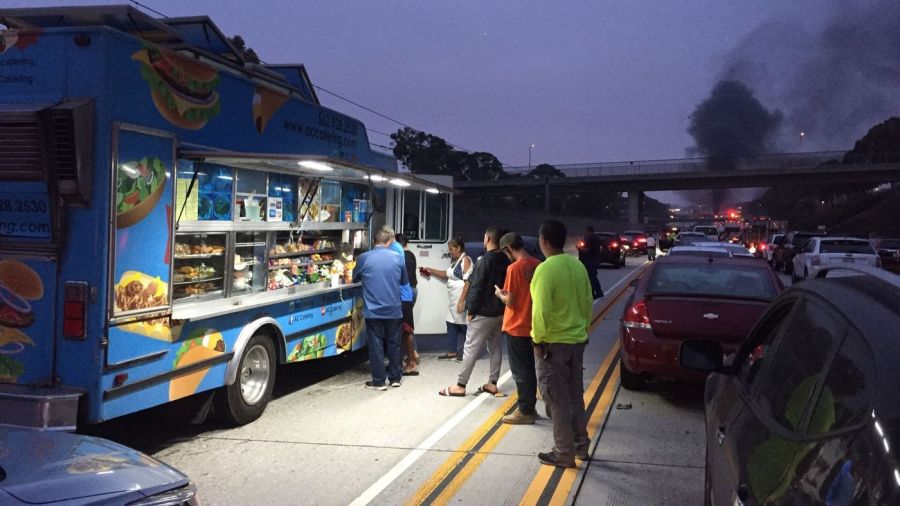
(589, 254)
(484, 314)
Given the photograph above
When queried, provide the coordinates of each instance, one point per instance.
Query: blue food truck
(176, 220)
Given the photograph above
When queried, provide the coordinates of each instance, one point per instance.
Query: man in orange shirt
(516, 295)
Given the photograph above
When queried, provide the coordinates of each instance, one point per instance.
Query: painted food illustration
(183, 88)
(18, 285)
(17, 39)
(139, 185)
(309, 348)
(358, 322)
(135, 291)
(344, 337)
(265, 103)
(201, 345)
(12, 342)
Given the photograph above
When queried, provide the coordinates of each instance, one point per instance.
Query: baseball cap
(511, 240)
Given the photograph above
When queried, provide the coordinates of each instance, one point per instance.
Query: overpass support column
(547, 196)
(634, 206)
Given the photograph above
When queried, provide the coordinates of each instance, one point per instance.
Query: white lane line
(385, 481)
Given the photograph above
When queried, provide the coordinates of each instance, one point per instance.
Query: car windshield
(713, 279)
(679, 251)
(846, 246)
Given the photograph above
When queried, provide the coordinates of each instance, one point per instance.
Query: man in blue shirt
(382, 272)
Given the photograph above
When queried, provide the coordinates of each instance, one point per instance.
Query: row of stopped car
(800, 385)
(802, 254)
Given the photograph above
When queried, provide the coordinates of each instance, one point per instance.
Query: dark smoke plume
(731, 122)
(833, 81)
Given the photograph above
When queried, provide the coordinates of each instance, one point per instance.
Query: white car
(774, 241)
(711, 232)
(825, 251)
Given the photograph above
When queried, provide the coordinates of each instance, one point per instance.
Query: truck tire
(245, 400)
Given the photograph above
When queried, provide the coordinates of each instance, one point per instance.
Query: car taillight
(75, 310)
(580, 244)
(614, 244)
(636, 317)
(642, 240)
(816, 260)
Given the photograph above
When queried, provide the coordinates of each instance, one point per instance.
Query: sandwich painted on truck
(108, 133)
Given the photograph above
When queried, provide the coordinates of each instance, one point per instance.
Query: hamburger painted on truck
(136, 269)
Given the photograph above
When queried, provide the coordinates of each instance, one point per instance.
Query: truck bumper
(46, 408)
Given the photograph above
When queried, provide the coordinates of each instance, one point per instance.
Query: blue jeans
(378, 334)
(454, 330)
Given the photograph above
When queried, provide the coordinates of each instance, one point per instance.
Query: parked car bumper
(644, 353)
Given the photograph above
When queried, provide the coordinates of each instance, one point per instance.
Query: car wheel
(630, 380)
(245, 400)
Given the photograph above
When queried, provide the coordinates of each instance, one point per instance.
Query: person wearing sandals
(484, 316)
(456, 276)
(516, 295)
(560, 315)
(408, 337)
(381, 272)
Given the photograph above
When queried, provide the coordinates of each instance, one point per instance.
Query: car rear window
(714, 279)
(889, 245)
(846, 246)
(706, 230)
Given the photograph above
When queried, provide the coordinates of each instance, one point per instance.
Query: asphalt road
(324, 439)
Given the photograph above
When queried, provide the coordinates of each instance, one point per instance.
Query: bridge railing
(631, 168)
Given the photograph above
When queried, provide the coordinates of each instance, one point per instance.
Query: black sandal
(447, 356)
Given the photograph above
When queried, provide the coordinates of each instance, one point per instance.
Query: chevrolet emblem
(710, 316)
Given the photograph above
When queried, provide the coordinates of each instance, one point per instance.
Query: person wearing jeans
(516, 295)
(382, 272)
(484, 315)
(560, 316)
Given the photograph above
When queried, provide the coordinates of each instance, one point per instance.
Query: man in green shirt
(561, 313)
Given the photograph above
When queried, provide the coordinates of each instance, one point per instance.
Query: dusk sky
(584, 81)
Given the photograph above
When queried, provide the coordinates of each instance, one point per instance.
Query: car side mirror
(701, 355)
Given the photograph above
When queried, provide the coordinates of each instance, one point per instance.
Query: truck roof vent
(61, 143)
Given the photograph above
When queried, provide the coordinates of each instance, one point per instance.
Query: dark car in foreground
(604, 247)
(45, 467)
(806, 411)
(690, 297)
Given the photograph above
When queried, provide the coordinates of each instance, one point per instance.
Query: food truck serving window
(425, 216)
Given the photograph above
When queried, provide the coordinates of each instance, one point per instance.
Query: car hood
(43, 467)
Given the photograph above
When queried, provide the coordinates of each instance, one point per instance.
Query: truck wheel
(630, 380)
(245, 400)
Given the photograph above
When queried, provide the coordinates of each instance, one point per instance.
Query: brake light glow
(580, 244)
(614, 244)
(636, 317)
(642, 239)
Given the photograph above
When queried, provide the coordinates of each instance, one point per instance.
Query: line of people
(543, 310)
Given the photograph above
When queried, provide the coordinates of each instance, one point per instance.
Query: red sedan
(688, 297)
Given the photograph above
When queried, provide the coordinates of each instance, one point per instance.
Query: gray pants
(560, 375)
(482, 330)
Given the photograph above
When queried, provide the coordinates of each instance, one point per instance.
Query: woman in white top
(456, 276)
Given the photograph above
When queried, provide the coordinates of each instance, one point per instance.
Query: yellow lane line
(570, 475)
(454, 460)
(541, 480)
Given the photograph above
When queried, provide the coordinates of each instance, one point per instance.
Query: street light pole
(529, 156)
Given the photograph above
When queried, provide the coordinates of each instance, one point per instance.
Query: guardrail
(649, 167)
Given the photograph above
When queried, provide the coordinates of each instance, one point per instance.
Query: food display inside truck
(204, 228)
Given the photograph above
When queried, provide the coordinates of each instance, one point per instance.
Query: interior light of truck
(400, 182)
(376, 178)
(433, 190)
(314, 165)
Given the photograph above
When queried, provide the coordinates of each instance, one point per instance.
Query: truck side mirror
(701, 355)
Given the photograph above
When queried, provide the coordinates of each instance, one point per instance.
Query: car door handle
(720, 434)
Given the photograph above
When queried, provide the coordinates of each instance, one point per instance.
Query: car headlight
(184, 496)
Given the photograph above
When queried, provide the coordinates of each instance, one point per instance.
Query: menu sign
(25, 211)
